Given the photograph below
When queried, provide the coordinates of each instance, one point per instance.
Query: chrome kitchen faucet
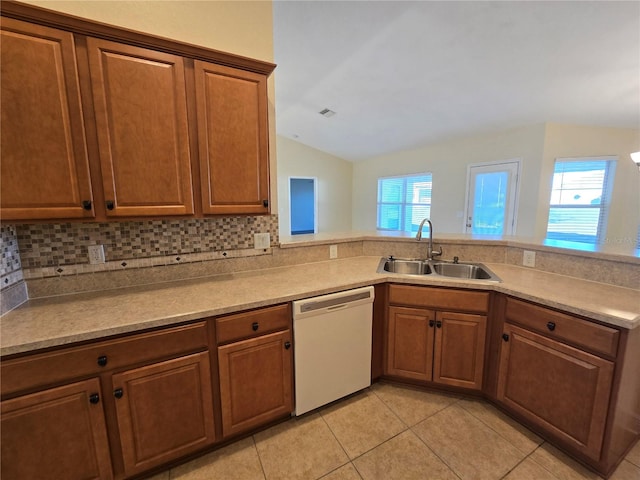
(430, 252)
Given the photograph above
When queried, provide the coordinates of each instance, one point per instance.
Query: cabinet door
(44, 169)
(141, 118)
(54, 434)
(164, 411)
(410, 343)
(256, 381)
(560, 388)
(233, 138)
(459, 349)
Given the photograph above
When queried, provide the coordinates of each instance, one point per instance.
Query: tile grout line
(497, 432)
(431, 449)
(255, 445)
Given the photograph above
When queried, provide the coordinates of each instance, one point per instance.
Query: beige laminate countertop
(56, 321)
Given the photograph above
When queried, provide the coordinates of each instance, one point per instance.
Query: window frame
(403, 204)
(603, 206)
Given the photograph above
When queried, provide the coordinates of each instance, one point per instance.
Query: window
(580, 199)
(403, 202)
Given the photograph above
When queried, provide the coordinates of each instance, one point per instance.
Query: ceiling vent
(327, 113)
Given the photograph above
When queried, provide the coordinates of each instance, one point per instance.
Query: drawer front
(567, 328)
(53, 367)
(251, 324)
(439, 298)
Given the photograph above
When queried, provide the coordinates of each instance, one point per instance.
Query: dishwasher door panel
(332, 354)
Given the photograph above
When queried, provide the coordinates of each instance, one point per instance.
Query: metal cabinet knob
(102, 360)
(505, 337)
(94, 398)
(118, 393)
(255, 326)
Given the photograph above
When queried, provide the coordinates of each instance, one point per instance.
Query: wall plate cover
(529, 258)
(96, 254)
(261, 241)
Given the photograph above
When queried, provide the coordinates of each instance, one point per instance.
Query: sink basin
(410, 267)
(470, 271)
(462, 270)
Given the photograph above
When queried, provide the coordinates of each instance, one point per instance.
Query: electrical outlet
(261, 241)
(529, 258)
(333, 251)
(96, 254)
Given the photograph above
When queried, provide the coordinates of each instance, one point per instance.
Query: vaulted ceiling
(400, 75)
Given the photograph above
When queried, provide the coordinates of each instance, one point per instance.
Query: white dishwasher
(332, 338)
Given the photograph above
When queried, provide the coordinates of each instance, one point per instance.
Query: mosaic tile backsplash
(10, 252)
(53, 247)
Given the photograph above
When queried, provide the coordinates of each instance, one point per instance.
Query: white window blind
(579, 200)
(403, 202)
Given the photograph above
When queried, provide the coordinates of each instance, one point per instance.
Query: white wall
(334, 185)
(563, 141)
(448, 162)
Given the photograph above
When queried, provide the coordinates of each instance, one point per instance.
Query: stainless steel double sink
(466, 270)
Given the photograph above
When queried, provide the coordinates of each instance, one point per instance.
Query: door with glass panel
(492, 190)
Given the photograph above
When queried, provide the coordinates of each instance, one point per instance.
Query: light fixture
(327, 113)
(635, 156)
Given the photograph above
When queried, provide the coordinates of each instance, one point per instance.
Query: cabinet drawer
(53, 367)
(250, 324)
(439, 298)
(582, 333)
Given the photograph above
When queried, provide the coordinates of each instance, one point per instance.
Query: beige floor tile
(626, 471)
(529, 470)
(236, 461)
(302, 448)
(468, 446)
(563, 467)
(634, 455)
(403, 457)
(362, 423)
(346, 472)
(520, 437)
(412, 405)
(160, 476)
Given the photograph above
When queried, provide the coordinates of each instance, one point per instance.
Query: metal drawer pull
(551, 326)
(102, 360)
(255, 326)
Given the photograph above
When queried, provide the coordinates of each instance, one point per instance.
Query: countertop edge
(509, 288)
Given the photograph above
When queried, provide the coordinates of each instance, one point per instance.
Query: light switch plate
(96, 254)
(261, 241)
(333, 251)
(529, 258)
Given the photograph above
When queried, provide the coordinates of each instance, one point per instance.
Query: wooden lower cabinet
(256, 383)
(559, 388)
(56, 433)
(458, 357)
(410, 343)
(443, 347)
(164, 411)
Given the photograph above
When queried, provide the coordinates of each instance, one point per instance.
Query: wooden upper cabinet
(140, 107)
(233, 139)
(44, 169)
